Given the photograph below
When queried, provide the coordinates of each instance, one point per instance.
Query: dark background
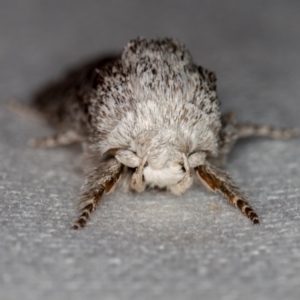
(152, 245)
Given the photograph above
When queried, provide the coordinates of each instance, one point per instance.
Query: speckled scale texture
(154, 84)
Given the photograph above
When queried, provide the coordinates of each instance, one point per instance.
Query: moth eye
(146, 164)
(183, 168)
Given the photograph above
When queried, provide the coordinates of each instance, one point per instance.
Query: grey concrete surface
(152, 245)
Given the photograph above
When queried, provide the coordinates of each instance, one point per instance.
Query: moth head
(161, 164)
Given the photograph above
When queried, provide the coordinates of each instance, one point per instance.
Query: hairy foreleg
(59, 139)
(24, 110)
(232, 130)
(219, 181)
(247, 130)
(99, 181)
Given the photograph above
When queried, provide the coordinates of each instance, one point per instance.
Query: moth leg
(99, 181)
(247, 130)
(24, 110)
(59, 139)
(219, 181)
(232, 130)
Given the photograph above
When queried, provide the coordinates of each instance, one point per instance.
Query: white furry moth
(151, 117)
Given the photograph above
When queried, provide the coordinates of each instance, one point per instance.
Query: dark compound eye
(183, 168)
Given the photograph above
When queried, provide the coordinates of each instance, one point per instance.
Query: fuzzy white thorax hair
(160, 116)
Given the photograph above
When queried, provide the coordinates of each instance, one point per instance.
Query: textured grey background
(152, 245)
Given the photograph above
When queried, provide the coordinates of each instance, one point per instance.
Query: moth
(148, 118)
